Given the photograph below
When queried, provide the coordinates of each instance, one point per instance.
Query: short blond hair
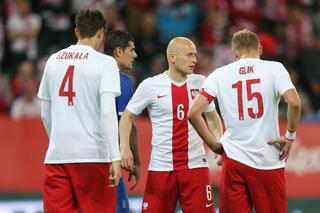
(245, 40)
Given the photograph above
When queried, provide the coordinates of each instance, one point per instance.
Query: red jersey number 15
(69, 93)
(250, 95)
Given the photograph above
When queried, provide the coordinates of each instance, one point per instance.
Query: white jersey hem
(77, 161)
(255, 166)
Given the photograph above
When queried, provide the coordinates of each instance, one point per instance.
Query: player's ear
(76, 32)
(236, 54)
(100, 34)
(171, 57)
(117, 51)
(260, 50)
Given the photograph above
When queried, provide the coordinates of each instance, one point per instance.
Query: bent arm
(214, 123)
(294, 109)
(109, 124)
(46, 115)
(198, 123)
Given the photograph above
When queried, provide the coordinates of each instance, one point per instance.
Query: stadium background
(32, 30)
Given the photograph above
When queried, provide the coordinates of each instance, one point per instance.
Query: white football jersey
(175, 143)
(248, 93)
(73, 80)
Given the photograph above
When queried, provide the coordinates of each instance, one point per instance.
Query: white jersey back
(73, 80)
(175, 143)
(248, 93)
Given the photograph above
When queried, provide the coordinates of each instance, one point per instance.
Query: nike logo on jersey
(161, 96)
(208, 205)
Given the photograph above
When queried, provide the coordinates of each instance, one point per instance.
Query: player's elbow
(295, 103)
(192, 116)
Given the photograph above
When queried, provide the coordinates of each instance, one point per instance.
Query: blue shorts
(122, 198)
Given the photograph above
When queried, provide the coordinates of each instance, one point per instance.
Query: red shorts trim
(72, 187)
(191, 187)
(243, 187)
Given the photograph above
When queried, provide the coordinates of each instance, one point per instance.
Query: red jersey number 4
(69, 92)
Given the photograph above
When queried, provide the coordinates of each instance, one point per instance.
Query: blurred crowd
(31, 30)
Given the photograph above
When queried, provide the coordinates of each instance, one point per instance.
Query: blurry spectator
(299, 31)
(222, 55)
(158, 64)
(56, 31)
(24, 75)
(135, 14)
(27, 106)
(245, 13)
(309, 67)
(23, 29)
(307, 112)
(1, 38)
(269, 45)
(214, 27)
(175, 18)
(276, 11)
(147, 44)
(115, 21)
(205, 63)
(5, 93)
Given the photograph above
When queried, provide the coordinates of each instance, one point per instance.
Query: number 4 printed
(69, 93)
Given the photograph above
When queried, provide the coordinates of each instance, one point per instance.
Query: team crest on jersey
(194, 93)
(145, 205)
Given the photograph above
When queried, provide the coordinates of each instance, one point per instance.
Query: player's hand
(127, 159)
(136, 174)
(218, 158)
(115, 173)
(283, 145)
(217, 148)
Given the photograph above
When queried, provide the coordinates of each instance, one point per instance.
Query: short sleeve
(282, 81)
(210, 84)
(140, 99)
(44, 93)
(110, 79)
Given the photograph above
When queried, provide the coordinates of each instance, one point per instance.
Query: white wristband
(290, 135)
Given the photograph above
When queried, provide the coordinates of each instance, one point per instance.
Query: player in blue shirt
(120, 45)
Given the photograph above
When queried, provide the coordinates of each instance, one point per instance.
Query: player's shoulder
(271, 63)
(194, 78)
(125, 78)
(197, 76)
(155, 79)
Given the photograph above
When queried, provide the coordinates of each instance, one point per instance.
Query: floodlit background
(30, 31)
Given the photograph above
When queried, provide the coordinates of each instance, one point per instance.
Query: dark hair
(117, 38)
(89, 21)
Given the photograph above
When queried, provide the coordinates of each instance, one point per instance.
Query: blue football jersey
(126, 84)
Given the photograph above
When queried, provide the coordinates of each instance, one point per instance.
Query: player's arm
(214, 123)
(125, 129)
(293, 118)
(46, 115)
(215, 127)
(134, 147)
(197, 121)
(109, 126)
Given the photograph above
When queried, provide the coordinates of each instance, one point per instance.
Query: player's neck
(249, 54)
(89, 42)
(176, 76)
